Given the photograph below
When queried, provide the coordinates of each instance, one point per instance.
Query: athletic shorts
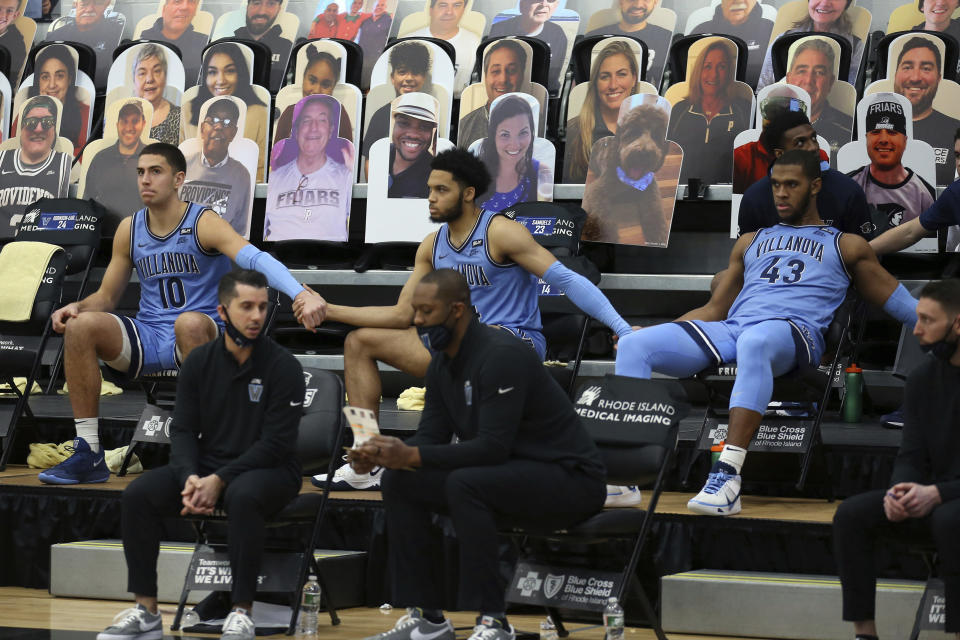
(532, 339)
(719, 339)
(147, 348)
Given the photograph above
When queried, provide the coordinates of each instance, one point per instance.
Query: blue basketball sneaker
(721, 495)
(83, 467)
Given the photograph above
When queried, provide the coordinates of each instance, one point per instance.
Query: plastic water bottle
(548, 631)
(190, 619)
(853, 394)
(613, 620)
(309, 607)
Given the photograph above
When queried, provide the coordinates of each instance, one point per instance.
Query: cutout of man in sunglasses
(214, 178)
(34, 170)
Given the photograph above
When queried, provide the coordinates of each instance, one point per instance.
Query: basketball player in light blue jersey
(180, 250)
(768, 313)
(501, 262)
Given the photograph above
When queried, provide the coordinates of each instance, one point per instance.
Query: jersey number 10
(172, 293)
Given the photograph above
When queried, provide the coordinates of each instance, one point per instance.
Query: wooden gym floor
(33, 614)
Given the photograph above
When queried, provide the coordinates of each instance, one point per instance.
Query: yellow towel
(114, 458)
(6, 392)
(107, 388)
(22, 267)
(411, 399)
(44, 455)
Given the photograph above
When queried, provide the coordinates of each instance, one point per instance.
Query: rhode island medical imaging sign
(564, 587)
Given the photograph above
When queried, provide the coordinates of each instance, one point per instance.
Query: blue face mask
(436, 337)
(237, 336)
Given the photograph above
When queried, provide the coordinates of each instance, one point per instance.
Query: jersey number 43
(791, 273)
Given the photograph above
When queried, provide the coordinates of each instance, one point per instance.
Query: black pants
(518, 491)
(250, 499)
(856, 526)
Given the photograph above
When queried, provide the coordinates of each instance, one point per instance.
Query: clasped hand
(309, 308)
(910, 500)
(200, 495)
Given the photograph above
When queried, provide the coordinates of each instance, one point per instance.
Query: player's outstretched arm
(725, 287)
(511, 240)
(900, 237)
(875, 283)
(114, 283)
(398, 316)
(215, 233)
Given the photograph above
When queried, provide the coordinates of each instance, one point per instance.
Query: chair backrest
(87, 59)
(443, 44)
(354, 61)
(951, 53)
(681, 47)
(75, 225)
(45, 302)
(539, 61)
(5, 63)
(780, 49)
(323, 420)
(581, 57)
(635, 423)
(261, 58)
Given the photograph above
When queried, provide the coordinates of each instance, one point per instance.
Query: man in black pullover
(924, 494)
(233, 440)
(521, 454)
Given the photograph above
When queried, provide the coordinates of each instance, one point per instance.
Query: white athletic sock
(733, 456)
(89, 430)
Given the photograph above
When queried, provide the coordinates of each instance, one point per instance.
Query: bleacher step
(97, 569)
(779, 605)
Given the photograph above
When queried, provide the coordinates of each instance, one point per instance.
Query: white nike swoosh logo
(416, 634)
(294, 404)
(501, 390)
(7, 172)
(98, 461)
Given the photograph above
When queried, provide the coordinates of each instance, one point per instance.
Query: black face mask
(436, 337)
(237, 336)
(942, 349)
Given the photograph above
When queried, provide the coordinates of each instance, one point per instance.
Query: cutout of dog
(632, 180)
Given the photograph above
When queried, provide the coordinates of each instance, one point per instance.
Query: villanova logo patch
(255, 390)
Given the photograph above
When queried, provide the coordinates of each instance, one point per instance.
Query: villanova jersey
(176, 273)
(794, 273)
(503, 294)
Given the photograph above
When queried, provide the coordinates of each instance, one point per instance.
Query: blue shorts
(719, 339)
(148, 349)
(533, 339)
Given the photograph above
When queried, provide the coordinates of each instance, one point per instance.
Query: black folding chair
(22, 344)
(76, 226)
(318, 448)
(637, 442)
(811, 386)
